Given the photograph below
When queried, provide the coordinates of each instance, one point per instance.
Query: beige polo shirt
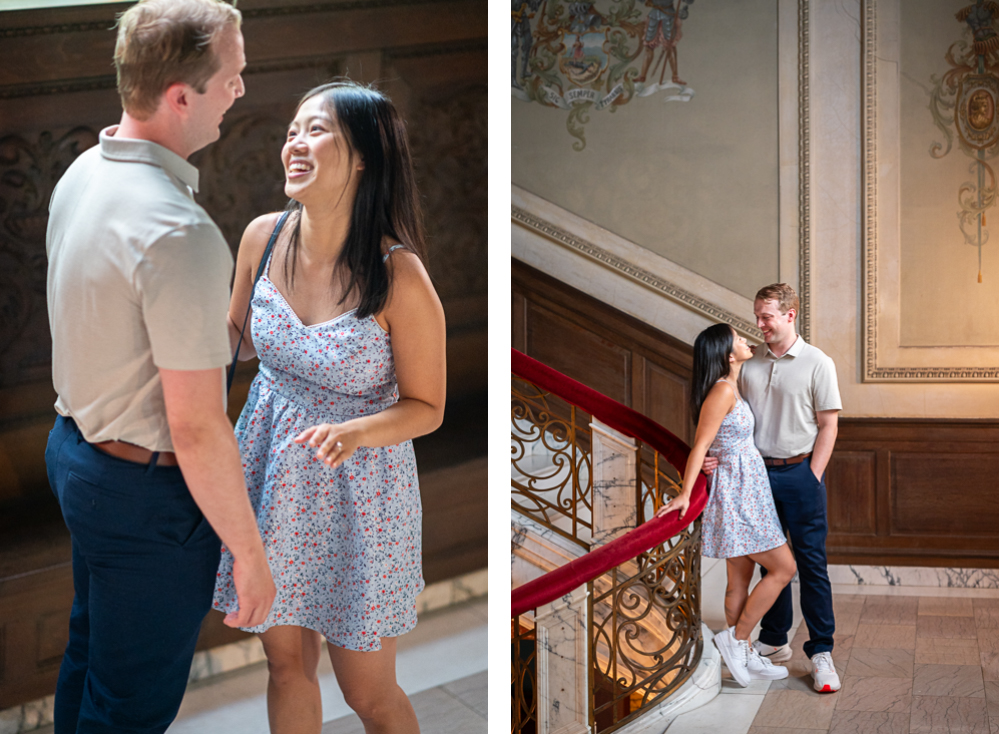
(785, 394)
(138, 279)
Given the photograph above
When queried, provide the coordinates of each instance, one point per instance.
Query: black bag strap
(260, 272)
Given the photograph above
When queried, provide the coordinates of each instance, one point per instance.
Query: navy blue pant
(144, 565)
(801, 503)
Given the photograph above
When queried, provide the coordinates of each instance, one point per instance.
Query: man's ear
(177, 98)
(794, 313)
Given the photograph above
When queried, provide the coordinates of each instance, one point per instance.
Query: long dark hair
(711, 363)
(386, 204)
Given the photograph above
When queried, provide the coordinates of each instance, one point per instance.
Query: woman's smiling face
(318, 160)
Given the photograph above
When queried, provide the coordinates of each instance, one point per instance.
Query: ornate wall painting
(964, 107)
(596, 56)
(916, 240)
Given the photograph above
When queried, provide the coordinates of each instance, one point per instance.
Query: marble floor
(911, 659)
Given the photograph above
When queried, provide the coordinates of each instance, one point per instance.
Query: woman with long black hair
(351, 338)
(740, 522)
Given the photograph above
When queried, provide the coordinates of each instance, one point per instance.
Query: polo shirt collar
(146, 151)
(794, 351)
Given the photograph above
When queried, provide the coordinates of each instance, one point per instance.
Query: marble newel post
(614, 474)
(562, 665)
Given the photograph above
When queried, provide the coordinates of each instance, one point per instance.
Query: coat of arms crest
(594, 56)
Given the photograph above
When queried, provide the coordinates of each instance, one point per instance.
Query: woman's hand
(337, 442)
(680, 502)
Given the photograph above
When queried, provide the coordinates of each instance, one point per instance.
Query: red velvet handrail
(564, 579)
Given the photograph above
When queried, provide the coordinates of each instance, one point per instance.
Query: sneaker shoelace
(823, 662)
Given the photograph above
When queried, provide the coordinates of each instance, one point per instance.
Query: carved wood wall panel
(903, 492)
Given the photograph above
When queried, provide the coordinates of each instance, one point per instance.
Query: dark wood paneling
(57, 90)
(852, 508)
(560, 343)
(899, 491)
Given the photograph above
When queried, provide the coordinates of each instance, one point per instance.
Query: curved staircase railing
(642, 586)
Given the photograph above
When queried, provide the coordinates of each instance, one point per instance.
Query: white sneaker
(825, 678)
(760, 668)
(774, 654)
(736, 653)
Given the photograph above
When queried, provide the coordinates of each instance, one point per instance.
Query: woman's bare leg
(739, 572)
(368, 682)
(780, 565)
(294, 705)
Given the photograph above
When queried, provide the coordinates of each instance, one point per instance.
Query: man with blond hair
(791, 387)
(142, 456)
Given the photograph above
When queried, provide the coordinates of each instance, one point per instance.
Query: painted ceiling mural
(588, 57)
(964, 107)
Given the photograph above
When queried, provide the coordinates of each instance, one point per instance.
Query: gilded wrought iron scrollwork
(550, 462)
(646, 629)
(523, 679)
(28, 174)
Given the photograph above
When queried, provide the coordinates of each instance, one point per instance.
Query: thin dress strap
(394, 247)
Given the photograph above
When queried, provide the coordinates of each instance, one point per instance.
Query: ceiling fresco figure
(964, 105)
(584, 56)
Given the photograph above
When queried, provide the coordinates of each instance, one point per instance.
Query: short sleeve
(826, 392)
(183, 286)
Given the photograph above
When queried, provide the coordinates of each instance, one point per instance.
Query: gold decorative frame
(875, 368)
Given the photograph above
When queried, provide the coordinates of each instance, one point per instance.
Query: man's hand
(711, 463)
(254, 593)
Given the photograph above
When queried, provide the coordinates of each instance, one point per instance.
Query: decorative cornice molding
(632, 271)
(805, 243)
(871, 371)
(60, 86)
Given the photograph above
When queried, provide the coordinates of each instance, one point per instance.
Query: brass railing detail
(646, 629)
(645, 613)
(523, 679)
(557, 490)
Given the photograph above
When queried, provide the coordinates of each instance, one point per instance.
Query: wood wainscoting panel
(851, 505)
(578, 352)
(927, 501)
(899, 491)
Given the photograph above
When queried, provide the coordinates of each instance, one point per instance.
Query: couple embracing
(766, 426)
(315, 499)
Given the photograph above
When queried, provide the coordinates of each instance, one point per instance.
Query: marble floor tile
(987, 617)
(799, 679)
(989, 665)
(945, 606)
(731, 687)
(880, 662)
(848, 604)
(937, 626)
(737, 713)
(947, 651)
(842, 647)
(436, 710)
(948, 715)
(987, 639)
(890, 610)
(948, 680)
(985, 603)
(783, 730)
(890, 695)
(869, 722)
(897, 636)
(796, 709)
(847, 624)
(471, 691)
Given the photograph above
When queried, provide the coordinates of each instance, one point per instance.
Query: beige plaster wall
(695, 182)
(941, 302)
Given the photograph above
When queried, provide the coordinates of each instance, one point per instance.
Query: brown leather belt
(787, 462)
(136, 454)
